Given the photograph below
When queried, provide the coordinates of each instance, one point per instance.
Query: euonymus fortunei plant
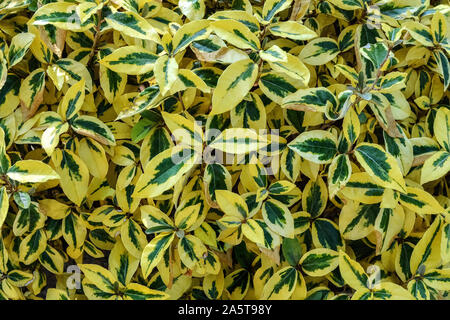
(212, 149)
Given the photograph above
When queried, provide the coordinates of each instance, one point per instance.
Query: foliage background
(335, 115)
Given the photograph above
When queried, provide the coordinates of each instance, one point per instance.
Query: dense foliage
(212, 149)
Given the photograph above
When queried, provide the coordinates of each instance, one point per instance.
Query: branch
(97, 35)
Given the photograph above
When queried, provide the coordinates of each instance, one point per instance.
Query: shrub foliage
(211, 149)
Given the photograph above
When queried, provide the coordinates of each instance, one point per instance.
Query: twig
(97, 35)
(379, 72)
(295, 10)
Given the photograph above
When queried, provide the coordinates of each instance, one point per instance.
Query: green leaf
(292, 251)
(316, 145)
(22, 199)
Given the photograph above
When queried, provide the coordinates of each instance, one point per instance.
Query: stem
(97, 35)
(260, 64)
(379, 72)
(181, 100)
(11, 188)
(263, 33)
(296, 9)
